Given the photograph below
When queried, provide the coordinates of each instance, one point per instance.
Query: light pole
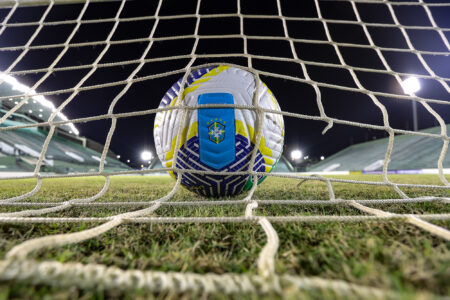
(296, 155)
(410, 86)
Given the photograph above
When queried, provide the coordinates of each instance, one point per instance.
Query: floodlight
(296, 154)
(118, 156)
(16, 85)
(146, 155)
(411, 85)
(128, 161)
(322, 158)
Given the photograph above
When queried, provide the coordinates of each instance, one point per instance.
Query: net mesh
(17, 265)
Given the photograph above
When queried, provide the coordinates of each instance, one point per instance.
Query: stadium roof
(37, 107)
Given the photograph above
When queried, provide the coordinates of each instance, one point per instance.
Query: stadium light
(118, 156)
(146, 155)
(16, 85)
(296, 154)
(322, 158)
(410, 86)
(128, 161)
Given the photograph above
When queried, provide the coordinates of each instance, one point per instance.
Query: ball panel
(216, 185)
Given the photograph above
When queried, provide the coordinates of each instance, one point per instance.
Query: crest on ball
(216, 132)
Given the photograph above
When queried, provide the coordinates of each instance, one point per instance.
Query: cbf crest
(216, 131)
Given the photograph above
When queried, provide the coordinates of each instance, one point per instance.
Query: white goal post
(17, 265)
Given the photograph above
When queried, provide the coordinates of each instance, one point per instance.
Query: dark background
(135, 134)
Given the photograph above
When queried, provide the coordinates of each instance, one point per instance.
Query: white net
(17, 265)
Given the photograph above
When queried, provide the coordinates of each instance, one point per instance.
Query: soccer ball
(218, 139)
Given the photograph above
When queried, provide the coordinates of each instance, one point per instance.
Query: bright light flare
(146, 155)
(411, 85)
(296, 154)
(322, 157)
(16, 85)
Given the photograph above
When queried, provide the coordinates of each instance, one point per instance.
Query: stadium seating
(62, 156)
(283, 166)
(409, 153)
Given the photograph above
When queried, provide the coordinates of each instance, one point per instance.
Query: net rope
(16, 265)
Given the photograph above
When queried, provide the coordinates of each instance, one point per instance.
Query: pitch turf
(386, 255)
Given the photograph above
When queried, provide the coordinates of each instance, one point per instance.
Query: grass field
(387, 255)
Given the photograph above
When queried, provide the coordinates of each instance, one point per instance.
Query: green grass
(387, 255)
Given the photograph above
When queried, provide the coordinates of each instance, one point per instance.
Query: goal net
(341, 56)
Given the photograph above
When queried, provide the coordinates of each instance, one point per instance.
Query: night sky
(136, 133)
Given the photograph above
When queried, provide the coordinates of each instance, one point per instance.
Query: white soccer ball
(218, 139)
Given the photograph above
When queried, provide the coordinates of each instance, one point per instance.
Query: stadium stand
(156, 164)
(283, 166)
(8, 163)
(21, 148)
(409, 153)
(35, 109)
